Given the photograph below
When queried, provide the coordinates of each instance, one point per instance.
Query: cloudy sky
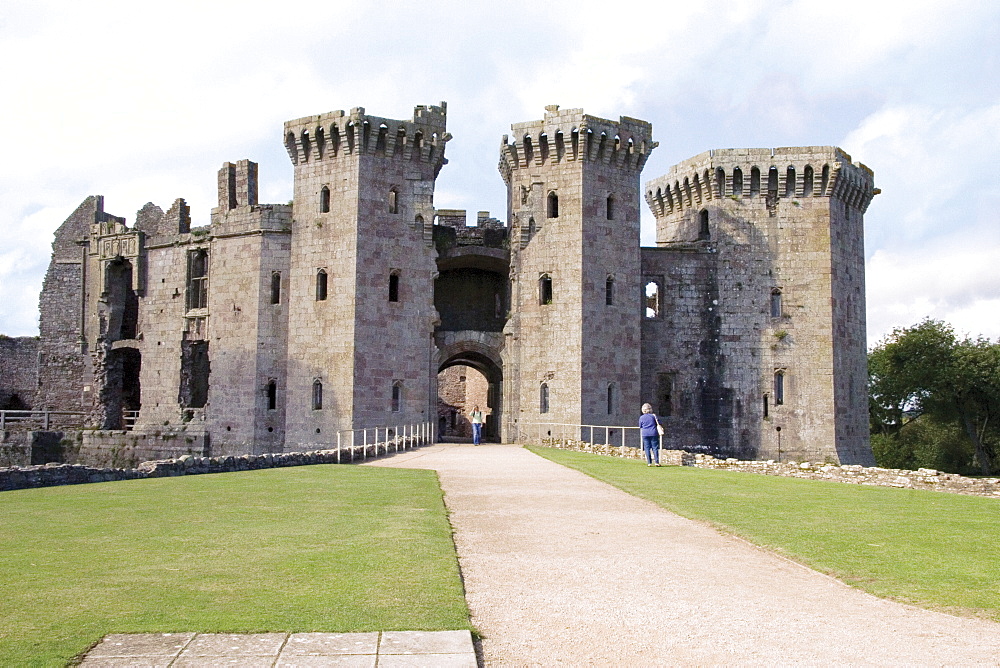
(143, 102)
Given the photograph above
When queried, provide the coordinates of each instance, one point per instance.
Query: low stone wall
(49, 475)
(928, 479)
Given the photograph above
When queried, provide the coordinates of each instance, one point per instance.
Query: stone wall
(926, 479)
(51, 475)
(18, 372)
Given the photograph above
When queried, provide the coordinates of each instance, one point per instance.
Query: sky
(143, 102)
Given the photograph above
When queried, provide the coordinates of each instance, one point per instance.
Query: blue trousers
(651, 448)
(477, 432)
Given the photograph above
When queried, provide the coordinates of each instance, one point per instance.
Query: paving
(561, 569)
(449, 649)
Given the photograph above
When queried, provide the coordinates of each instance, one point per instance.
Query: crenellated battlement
(772, 174)
(569, 135)
(335, 134)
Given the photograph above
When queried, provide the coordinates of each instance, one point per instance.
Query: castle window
(531, 227)
(272, 395)
(665, 393)
(397, 396)
(553, 205)
(703, 231)
(293, 151)
(574, 140)
(737, 182)
(334, 140)
(320, 142)
(807, 186)
(754, 182)
(611, 398)
(380, 141)
(779, 388)
(275, 287)
(543, 146)
(306, 144)
(609, 291)
(765, 404)
(197, 292)
(560, 146)
(324, 200)
(776, 303)
(393, 201)
(824, 179)
(529, 151)
(418, 220)
(720, 182)
(610, 209)
(321, 285)
(790, 182)
(317, 395)
(394, 286)
(543, 398)
(772, 182)
(545, 289)
(652, 304)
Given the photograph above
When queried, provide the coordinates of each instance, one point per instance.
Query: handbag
(659, 427)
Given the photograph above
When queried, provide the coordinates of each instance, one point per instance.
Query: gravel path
(561, 569)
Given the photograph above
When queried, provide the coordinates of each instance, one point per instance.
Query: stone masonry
(278, 327)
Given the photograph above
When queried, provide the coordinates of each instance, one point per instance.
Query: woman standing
(650, 428)
(477, 425)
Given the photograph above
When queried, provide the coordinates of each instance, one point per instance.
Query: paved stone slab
(134, 645)
(234, 645)
(424, 642)
(331, 644)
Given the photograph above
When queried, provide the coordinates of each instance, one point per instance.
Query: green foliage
(952, 387)
(926, 548)
(313, 548)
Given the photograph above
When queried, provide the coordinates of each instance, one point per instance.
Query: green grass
(314, 548)
(932, 549)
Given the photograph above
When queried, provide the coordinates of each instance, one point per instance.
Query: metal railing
(398, 437)
(43, 419)
(594, 434)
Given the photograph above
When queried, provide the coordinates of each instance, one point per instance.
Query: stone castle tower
(280, 327)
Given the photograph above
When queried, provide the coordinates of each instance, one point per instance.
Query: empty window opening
(665, 394)
(195, 372)
(697, 188)
(611, 398)
(610, 209)
(324, 200)
(122, 301)
(383, 132)
(292, 149)
(703, 231)
(543, 398)
(306, 144)
(775, 303)
(790, 182)
(418, 220)
(824, 179)
(766, 401)
(574, 140)
(393, 201)
(779, 388)
(807, 186)
(272, 395)
(720, 182)
(543, 147)
(754, 182)
(320, 143)
(197, 293)
(334, 140)
(394, 287)
(609, 291)
(772, 182)
(276, 287)
(652, 293)
(321, 285)
(317, 395)
(397, 396)
(738, 182)
(560, 146)
(545, 289)
(529, 150)
(553, 205)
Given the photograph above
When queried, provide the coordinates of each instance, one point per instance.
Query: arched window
(824, 179)
(293, 151)
(320, 143)
(560, 145)
(543, 398)
(544, 289)
(779, 387)
(703, 231)
(652, 293)
(754, 182)
(776, 303)
(418, 220)
(306, 144)
(272, 395)
(393, 201)
(317, 395)
(324, 200)
(611, 398)
(397, 396)
(807, 185)
(772, 182)
(531, 227)
(553, 205)
(380, 141)
(720, 182)
(609, 291)
(394, 286)
(610, 209)
(321, 285)
(790, 182)
(737, 182)
(276, 287)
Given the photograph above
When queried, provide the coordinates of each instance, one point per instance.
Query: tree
(924, 373)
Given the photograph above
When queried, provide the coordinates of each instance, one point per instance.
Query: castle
(278, 326)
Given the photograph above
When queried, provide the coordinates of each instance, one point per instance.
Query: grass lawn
(932, 549)
(311, 548)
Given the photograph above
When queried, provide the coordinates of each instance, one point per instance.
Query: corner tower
(361, 309)
(572, 342)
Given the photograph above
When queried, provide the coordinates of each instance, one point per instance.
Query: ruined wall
(460, 389)
(18, 371)
(772, 340)
(567, 346)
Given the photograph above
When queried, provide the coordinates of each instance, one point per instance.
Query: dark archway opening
(467, 380)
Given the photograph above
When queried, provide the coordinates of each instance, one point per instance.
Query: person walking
(649, 427)
(477, 425)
